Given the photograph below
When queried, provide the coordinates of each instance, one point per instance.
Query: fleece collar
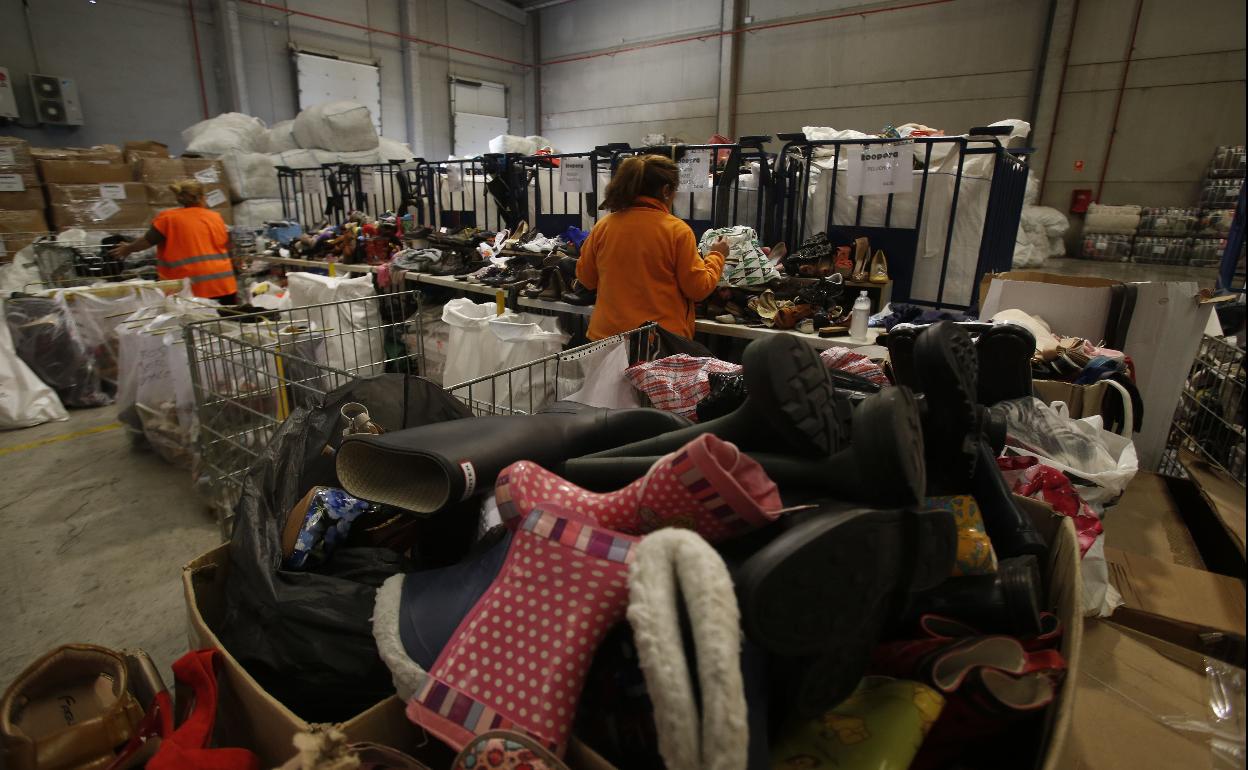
(645, 201)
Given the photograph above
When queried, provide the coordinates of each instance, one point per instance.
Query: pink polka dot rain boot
(708, 485)
(518, 660)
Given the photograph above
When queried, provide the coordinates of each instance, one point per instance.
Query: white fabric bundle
(297, 159)
(225, 132)
(507, 143)
(281, 137)
(361, 157)
(389, 149)
(338, 126)
(257, 211)
(251, 175)
(1112, 219)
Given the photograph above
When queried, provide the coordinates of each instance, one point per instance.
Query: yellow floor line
(56, 439)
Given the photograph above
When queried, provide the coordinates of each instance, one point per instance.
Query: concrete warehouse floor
(95, 535)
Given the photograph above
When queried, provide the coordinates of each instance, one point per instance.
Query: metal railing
(1209, 420)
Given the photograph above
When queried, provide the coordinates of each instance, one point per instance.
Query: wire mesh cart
(248, 372)
(1209, 421)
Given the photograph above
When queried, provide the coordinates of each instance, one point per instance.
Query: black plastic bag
(307, 636)
(46, 339)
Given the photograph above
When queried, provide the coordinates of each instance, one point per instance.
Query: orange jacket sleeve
(696, 276)
(587, 264)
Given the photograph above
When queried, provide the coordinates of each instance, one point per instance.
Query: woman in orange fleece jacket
(643, 261)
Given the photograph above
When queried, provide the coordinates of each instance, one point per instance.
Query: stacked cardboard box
(21, 197)
(158, 173)
(120, 205)
(92, 189)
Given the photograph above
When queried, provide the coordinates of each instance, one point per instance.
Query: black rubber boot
(883, 465)
(1005, 603)
(1010, 530)
(1004, 352)
(820, 594)
(428, 468)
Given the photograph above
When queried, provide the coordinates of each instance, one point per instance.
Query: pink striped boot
(708, 485)
(518, 659)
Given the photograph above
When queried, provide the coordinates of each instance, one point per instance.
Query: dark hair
(637, 176)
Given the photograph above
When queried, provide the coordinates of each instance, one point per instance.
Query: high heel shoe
(879, 267)
(862, 254)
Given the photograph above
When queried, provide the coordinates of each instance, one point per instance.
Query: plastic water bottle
(858, 318)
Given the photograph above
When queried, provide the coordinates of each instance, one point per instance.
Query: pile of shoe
(801, 579)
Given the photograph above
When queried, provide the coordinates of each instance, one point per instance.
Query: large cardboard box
(105, 153)
(18, 229)
(90, 216)
(209, 171)
(15, 156)
(1185, 606)
(133, 152)
(84, 171)
(1126, 686)
(121, 192)
(248, 716)
(20, 195)
(1147, 521)
(1164, 332)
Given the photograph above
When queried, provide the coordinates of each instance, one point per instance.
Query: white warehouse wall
(135, 65)
(951, 65)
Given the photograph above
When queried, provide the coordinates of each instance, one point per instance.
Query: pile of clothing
(822, 551)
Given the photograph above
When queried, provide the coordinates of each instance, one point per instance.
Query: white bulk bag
(522, 339)
(281, 137)
(297, 159)
(251, 175)
(24, 400)
(471, 349)
(389, 149)
(360, 158)
(355, 344)
(254, 213)
(225, 132)
(506, 143)
(338, 126)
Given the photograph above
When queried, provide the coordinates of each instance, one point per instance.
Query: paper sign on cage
(695, 170)
(880, 169)
(574, 175)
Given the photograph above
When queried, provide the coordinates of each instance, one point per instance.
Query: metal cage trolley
(1209, 421)
(249, 371)
(526, 388)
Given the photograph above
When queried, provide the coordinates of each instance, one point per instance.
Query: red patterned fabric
(847, 360)
(708, 486)
(677, 383)
(1029, 478)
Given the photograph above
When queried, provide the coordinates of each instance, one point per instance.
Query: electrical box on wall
(56, 100)
(8, 100)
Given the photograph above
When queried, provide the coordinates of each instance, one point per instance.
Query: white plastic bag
(522, 339)
(355, 343)
(339, 126)
(251, 175)
(1100, 463)
(296, 159)
(227, 131)
(154, 395)
(604, 383)
(471, 349)
(97, 318)
(24, 400)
